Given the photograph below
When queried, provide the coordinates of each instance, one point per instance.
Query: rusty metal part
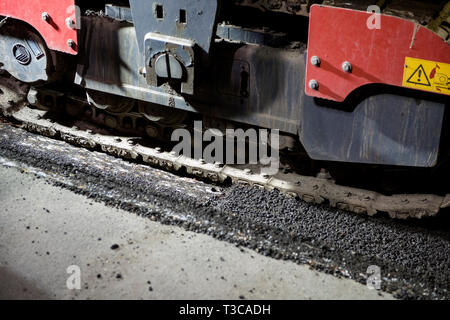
(310, 189)
(419, 10)
(298, 7)
(441, 24)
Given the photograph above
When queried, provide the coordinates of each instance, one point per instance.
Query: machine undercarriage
(134, 72)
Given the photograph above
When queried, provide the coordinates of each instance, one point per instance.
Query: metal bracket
(193, 20)
(168, 31)
(169, 59)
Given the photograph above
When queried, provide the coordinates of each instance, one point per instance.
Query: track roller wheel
(162, 115)
(108, 102)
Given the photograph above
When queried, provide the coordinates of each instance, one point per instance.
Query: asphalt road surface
(139, 232)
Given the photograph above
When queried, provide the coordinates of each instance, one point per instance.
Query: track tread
(309, 189)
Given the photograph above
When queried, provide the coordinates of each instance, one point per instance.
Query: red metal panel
(54, 31)
(337, 35)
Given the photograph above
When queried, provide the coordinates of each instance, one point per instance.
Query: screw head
(70, 23)
(45, 16)
(315, 61)
(347, 67)
(313, 84)
(71, 43)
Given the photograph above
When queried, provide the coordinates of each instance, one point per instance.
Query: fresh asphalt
(217, 241)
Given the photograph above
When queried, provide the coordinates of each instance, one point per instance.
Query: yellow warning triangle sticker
(426, 75)
(419, 76)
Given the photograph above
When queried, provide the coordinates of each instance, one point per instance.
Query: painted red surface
(337, 35)
(54, 31)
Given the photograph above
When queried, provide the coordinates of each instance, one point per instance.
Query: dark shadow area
(15, 287)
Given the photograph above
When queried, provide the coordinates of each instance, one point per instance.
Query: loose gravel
(414, 256)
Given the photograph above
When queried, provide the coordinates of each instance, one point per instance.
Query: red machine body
(375, 55)
(55, 20)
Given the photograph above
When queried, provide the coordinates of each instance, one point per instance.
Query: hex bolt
(45, 16)
(313, 84)
(70, 23)
(71, 43)
(347, 67)
(33, 96)
(142, 71)
(315, 61)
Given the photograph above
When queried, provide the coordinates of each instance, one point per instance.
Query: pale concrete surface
(45, 229)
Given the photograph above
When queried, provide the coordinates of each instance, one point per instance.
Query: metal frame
(352, 55)
(55, 20)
